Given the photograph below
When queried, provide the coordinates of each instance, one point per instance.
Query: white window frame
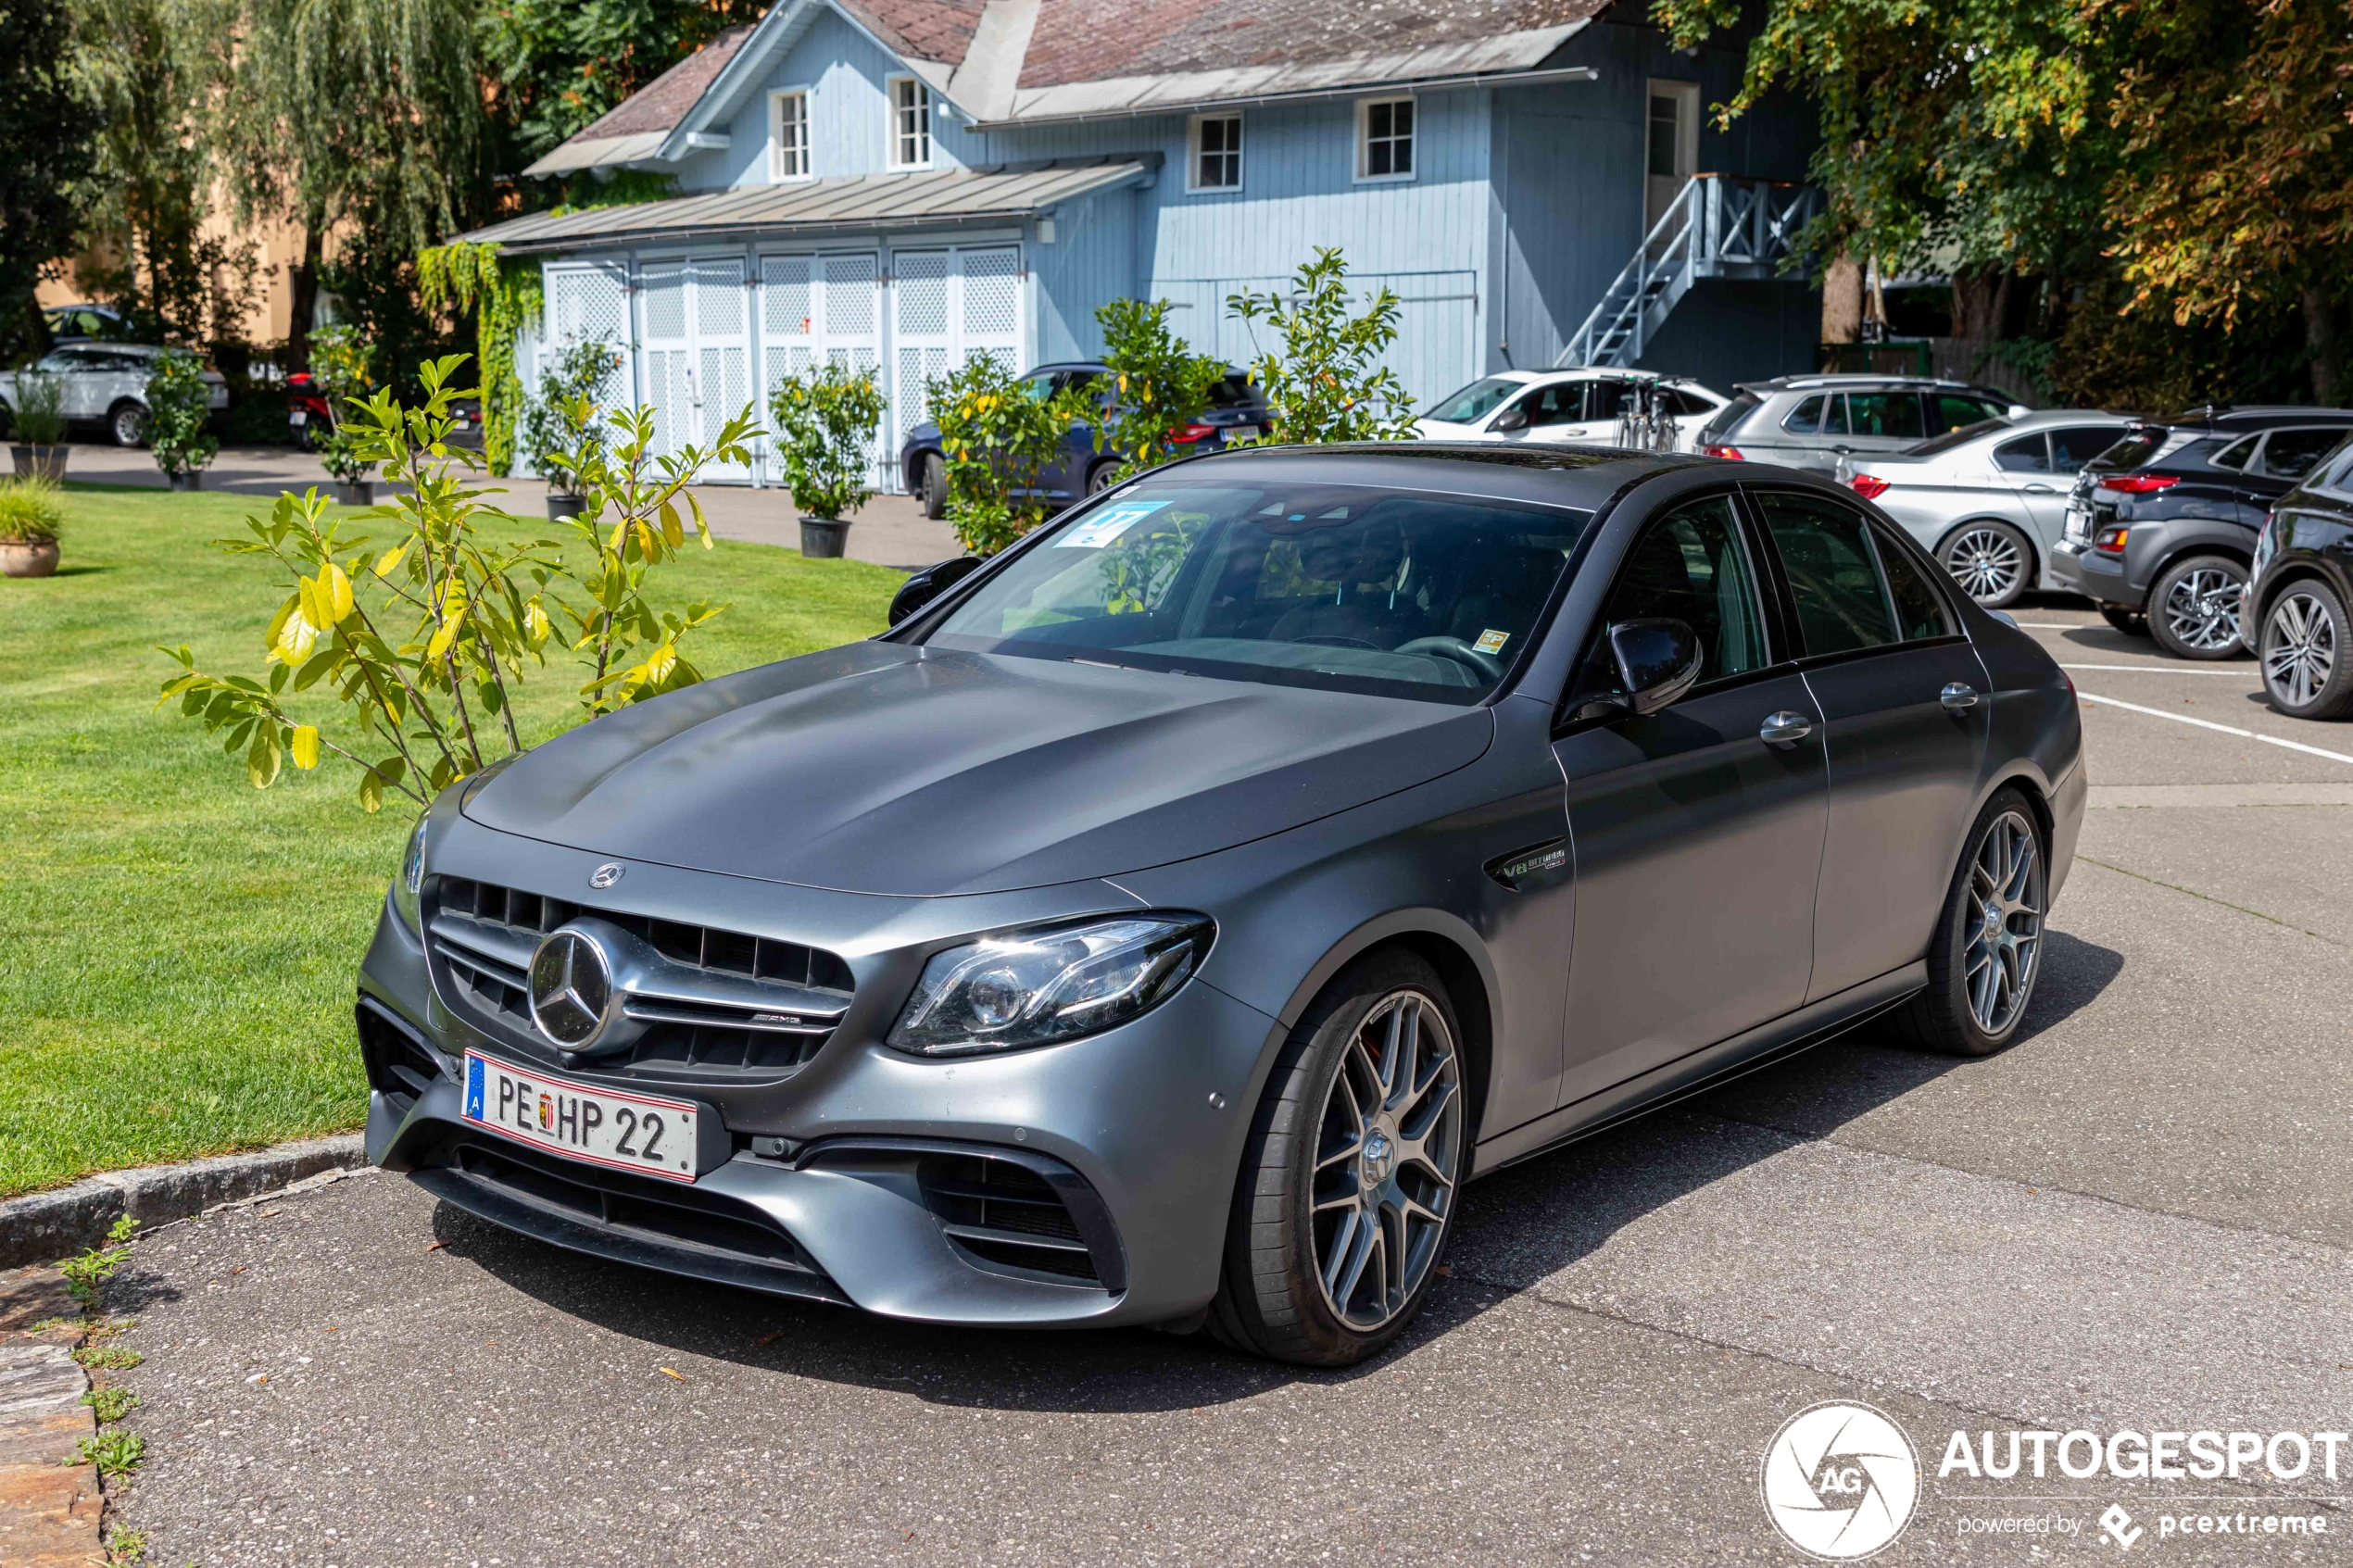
(1192, 154)
(1412, 139)
(778, 174)
(899, 133)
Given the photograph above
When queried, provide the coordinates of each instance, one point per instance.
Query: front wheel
(127, 424)
(1349, 1180)
(1991, 562)
(1987, 953)
(2308, 652)
(934, 487)
(2194, 608)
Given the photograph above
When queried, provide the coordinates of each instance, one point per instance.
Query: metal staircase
(1718, 226)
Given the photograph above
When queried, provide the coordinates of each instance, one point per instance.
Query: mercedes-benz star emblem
(571, 989)
(604, 876)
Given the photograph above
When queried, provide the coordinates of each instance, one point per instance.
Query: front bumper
(1087, 1182)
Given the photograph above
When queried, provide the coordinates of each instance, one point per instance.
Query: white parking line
(2209, 724)
(2156, 669)
(2054, 625)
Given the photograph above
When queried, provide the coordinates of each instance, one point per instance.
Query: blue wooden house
(901, 183)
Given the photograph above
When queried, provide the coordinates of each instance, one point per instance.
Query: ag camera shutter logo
(1841, 1481)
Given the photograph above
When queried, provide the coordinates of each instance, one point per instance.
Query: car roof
(2253, 416)
(1561, 474)
(1849, 381)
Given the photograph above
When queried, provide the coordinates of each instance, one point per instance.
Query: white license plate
(655, 1138)
(299, 417)
(1243, 433)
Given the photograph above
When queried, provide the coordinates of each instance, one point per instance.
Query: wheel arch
(2286, 575)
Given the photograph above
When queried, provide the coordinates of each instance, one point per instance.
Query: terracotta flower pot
(28, 557)
(49, 462)
(821, 538)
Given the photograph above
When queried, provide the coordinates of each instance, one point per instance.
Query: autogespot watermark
(1842, 1481)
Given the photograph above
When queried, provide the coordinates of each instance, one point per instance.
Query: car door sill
(1702, 1068)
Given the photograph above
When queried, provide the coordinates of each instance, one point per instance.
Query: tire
(2306, 652)
(127, 424)
(1965, 1009)
(1991, 561)
(2131, 622)
(2194, 609)
(1301, 1201)
(935, 486)
(1101, 477)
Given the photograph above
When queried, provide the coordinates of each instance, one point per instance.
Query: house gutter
(1159, 107)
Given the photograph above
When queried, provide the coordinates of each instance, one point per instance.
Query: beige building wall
(278, 250)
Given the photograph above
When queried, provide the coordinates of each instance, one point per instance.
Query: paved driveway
(2136, 1217)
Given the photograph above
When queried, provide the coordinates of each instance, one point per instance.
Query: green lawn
(177, 948)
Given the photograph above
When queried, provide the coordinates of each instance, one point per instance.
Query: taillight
(1712, 450)
(2111, 539)
(1868, 486)
(1184, 436)
(2140, 483)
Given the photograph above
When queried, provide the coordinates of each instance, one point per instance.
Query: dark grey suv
(1812, 421)
(1160, 923)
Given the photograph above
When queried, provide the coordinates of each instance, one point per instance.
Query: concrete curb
(50, 1226)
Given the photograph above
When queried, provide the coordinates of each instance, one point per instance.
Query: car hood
(880, 768)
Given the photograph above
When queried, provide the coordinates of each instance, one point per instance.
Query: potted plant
(179, 406)
(559, 423)
(339, 370)
(40, 446)
(30, 518)
(827, 416)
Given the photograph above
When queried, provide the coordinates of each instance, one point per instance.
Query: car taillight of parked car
(2139, 483)
(1184, 436)
(1712, 450)
(2111, 539)
(1868, 486)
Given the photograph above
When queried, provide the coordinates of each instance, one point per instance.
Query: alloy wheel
(1387, 1159)
(1986, 563)
(2005, 922)
(2299, 648)
(2201, 610)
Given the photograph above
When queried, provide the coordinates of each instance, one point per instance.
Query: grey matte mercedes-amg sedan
(1162, 920)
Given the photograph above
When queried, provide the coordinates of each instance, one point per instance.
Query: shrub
(339, 368)
(563, 417)
(1158, 385)
(41, 408)
(826, 418)
(179, 406)
(423, 638)
(29, 510)
(1325, 383)
(998, 434)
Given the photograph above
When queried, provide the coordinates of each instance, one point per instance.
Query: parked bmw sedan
(2298, 613)
(1163, 921)
(1989, 500)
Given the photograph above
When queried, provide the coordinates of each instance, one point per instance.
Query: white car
(106, 384)
(1576, 406)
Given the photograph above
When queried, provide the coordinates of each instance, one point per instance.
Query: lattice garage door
(696, 338)
(949, 306)
(817, 308)
(587, 302)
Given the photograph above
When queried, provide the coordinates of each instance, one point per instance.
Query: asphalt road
(2136, 1217)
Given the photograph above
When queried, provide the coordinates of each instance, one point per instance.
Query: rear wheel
(127, 423)
(934, 487)
(1349, 1182)
(2308, 652)
(1102, 477)
(1991, 562)
(2131, 622)
(1988, 950)
(2194, 608)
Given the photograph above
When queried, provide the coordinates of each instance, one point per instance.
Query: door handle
(2040, 490)
(1785, 728)
(1957, 696)
(1842, 451)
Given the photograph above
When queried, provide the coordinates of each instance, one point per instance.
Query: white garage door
(695, 336)
(949, 306)
(819, 307)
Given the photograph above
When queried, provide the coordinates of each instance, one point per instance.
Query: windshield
(1338, 587)
(1475, 401)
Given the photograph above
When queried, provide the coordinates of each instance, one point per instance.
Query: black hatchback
(2298, 613)
(2160, 528)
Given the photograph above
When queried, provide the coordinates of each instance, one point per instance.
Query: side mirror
(1657, 661)
(1510, 418)
(928, 584)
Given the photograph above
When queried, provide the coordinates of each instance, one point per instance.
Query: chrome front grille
(735, 1006)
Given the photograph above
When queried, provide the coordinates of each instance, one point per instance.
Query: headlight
(1034, 987)
(406, 886)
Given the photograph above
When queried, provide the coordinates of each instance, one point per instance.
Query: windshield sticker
(1492, 641)
(1107, 525)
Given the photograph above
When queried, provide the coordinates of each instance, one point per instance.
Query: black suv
(2297, 614)
(2160, 528)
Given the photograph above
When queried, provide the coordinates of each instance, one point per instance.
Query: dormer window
(789, 135)
(910, 123)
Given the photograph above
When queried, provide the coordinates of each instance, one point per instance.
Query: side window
(1920, 613)
(1805, 418)
(1826, 554)
(1559, 404)
(2290, 454)
(2235, 454)
(1606, 399)
(1683, 405)
(2070, 449)
(1885, 413)
(2025, 454)
(1689, 566)
(1951, 411)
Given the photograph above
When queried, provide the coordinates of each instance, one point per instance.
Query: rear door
(1905, 708)
(1877, 424)
(2285, 455)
